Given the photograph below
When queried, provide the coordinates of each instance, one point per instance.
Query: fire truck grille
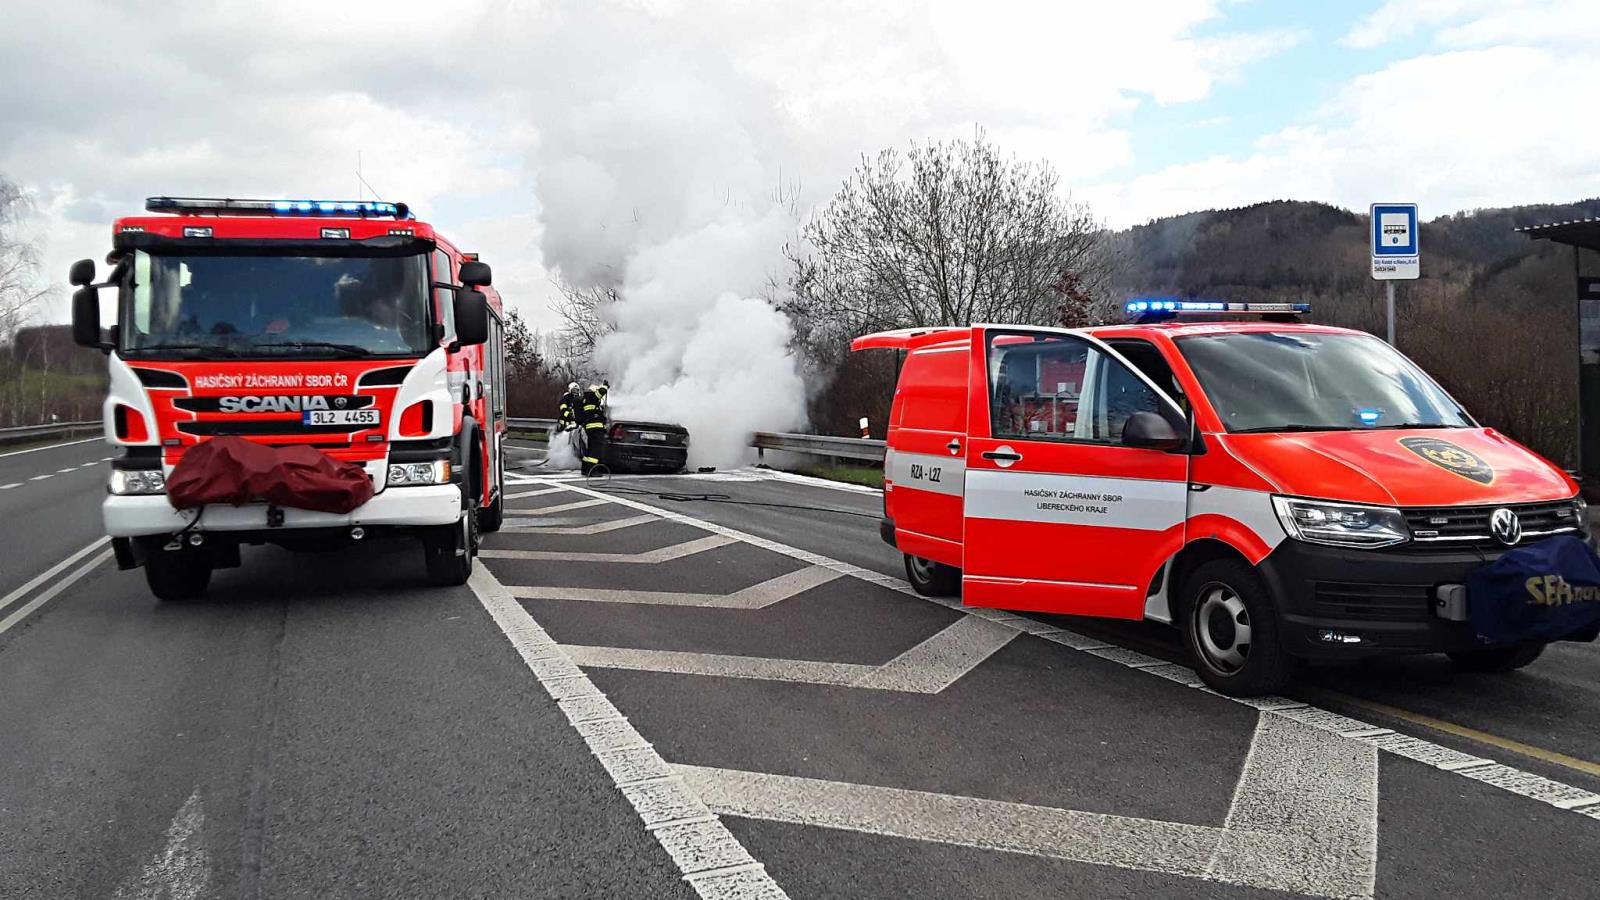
(1372, 602)
(1467, 527)
(249, 427)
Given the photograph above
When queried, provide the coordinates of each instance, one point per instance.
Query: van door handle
(1005, 456)
(954, 446)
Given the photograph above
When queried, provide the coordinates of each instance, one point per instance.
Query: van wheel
(932, 579)
(1496, 659)
(1231, 627)
(176, 576)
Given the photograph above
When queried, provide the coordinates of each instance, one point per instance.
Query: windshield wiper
(347, 349)
(1415, 425)
(1292, 426)
(207, 348)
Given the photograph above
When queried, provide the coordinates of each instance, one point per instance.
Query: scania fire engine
(346, 326)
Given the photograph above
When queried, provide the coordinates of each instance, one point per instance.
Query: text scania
(271, 404)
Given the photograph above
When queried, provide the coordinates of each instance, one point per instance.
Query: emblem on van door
(1505, 526)
(1450, 457)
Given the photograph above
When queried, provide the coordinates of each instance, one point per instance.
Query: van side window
(1050, 387)
(1147, 358)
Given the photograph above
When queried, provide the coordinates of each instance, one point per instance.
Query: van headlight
(1341, 524)
(404, 474)
(138, 481)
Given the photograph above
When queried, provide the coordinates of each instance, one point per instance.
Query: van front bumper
(1351, 604)
(151, 514)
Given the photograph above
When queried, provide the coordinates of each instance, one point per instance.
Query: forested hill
(1493, 316)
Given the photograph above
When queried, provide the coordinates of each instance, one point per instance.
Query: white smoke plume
(658, 179)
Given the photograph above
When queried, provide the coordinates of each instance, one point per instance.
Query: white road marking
(49, 573)
(649, 557)
(1303, 818)
(678, 662)
(183, 867)
(48, 595)
(538, 493)
(941, 660)
(535, 527)
(811, 481)
(759, 596)
(711, 859)
(7, 487)
(51, 447)
(548, 510)
(42, 477)
(91, 463)
(66, 470)
(1561, 796)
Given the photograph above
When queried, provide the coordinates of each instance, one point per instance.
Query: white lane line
(91, 463)
(760, 596)
(58, 587)
(1303, 818)
(181, 870)
(650, 557)
(538, 493)
(51, 447)
(42, 477)
(812, 481)
(49, 573)
(711, 859)
(536, 527)
(939, 661)
(7, 487)
(550, 510)
(1525, 784)
(721, 665)
(66, 470)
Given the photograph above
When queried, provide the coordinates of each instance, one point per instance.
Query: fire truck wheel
(932, 579)
(175, 576)
(1231, 627)
(449, 549)
(1497, 659)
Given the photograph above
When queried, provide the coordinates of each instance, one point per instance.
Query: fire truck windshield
(270, 307)
(1262, 381)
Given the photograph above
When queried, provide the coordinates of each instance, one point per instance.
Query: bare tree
(20, 289)
(944, 234)
(583, 321)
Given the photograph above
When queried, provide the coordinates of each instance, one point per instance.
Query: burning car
(646, 448)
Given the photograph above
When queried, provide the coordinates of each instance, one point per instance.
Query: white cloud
(1481, 23)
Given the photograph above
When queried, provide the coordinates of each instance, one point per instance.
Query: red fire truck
(346, 326)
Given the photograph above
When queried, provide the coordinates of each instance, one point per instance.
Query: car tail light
(616, 432)
(129, 424)
(417, 420)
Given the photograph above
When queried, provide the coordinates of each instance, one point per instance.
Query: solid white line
(55, 589)
(183, 867)
(711, 859)
(50, 572)
(50, 447)
(1524, 784)
(759, 596)
(813, 481)
(649, 557)
(941, 660)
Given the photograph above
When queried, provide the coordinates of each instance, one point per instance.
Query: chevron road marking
(649, 557)
(534, 527)
(759, 596)
(549, 510)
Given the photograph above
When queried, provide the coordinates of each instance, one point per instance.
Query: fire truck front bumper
(151, 514)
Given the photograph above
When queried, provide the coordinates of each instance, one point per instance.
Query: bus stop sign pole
(1395, 255)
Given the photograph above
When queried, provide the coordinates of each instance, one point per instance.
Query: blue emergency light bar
(1156, 310)
(364, 209)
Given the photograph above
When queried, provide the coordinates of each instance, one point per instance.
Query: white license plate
(652, 436)
(362, 417)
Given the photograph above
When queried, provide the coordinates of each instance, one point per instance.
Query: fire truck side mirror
(86, 317)
(1150, 431)
(472, 317)
(82, 273)
(476, 274)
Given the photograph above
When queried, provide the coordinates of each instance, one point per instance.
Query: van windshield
(270, 307)
(1308, 381)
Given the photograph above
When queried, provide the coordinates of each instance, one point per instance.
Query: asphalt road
(730, 685)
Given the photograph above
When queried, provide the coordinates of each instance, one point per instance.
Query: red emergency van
(346, 326)
(1279, 491)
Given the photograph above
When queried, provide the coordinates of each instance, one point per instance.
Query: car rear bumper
(636, 455)
(132, 516)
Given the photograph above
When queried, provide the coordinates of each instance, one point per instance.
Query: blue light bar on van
(1168, 309)
(362, 209)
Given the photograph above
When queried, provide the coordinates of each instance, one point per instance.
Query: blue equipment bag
(1542, 592)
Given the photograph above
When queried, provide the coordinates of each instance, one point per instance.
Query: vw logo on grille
(340, 402)
(1505, 526)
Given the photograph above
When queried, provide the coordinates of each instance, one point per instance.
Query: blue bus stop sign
(1395, 254)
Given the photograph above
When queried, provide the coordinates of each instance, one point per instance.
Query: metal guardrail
(545, 425)
(819, 445)
(23, 433)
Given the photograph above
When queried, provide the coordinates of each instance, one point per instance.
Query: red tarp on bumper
(236, 471)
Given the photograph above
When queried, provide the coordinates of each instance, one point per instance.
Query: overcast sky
(500, 120)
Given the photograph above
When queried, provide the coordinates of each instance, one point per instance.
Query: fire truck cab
(1278, 491)
(346, 326)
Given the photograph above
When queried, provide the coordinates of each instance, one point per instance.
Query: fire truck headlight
(435, 472)
(138, 481)
(1341, 524)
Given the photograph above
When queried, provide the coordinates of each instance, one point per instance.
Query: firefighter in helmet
(593, 420)
(567, 410)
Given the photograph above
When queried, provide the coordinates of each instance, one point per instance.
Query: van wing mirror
(476, 274)
(472, 316)
(1150, 431)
